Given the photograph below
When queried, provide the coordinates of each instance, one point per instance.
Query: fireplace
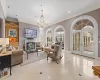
(30, 46)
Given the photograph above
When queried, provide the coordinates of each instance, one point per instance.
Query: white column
(41, 37)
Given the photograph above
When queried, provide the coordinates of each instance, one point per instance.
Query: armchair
(38, 47)
(55, 53)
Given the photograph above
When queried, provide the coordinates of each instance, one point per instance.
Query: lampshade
(4, 41)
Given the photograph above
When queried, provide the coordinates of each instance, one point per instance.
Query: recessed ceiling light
(68, 11)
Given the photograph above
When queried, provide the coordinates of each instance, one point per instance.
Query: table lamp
(4, 42)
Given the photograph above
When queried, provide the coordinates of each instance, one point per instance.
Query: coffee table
(38, 50)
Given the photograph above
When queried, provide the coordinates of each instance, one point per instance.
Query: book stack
(4, 72)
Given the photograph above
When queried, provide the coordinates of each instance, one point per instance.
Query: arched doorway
(49, 37)
(84, 37)
(59, 35)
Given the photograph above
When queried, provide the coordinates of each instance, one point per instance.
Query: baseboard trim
(98, 58)
(67, 51)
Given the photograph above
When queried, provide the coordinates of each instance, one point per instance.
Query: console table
(5, 60)
(96, 70)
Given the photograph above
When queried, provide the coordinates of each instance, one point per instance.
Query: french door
(76, 42)
(83, 43)
(88, 43)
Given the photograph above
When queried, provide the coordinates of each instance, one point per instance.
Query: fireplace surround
(30, 45)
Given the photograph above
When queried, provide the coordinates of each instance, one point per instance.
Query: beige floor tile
(69, 69)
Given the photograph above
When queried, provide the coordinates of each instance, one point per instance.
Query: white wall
(3, 4)
(2, 25)
(67, 25)
(22, 26)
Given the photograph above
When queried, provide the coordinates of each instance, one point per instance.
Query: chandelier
(41, 22)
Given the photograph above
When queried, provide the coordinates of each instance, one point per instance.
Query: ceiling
(29, 11)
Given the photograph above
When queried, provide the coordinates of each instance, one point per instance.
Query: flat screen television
(30, 33)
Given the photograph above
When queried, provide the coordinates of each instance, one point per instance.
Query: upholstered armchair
(55, 53)
(39, 46)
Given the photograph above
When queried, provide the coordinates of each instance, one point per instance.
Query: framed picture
(12, 33)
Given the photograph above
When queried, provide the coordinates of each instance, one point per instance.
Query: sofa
(17, 54)
(17, 57)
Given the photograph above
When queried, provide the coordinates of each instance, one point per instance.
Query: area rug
(32, 57)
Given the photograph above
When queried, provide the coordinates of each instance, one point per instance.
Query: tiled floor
(72, 67)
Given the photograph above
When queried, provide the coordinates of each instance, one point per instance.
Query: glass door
(49, 41)
(87, 43)
(60, 38)
(76, 42)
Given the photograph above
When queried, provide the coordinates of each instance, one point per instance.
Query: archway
(59, 35)
(84, 34)
(49, 37)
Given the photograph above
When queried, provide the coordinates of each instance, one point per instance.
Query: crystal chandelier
(42, 22)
